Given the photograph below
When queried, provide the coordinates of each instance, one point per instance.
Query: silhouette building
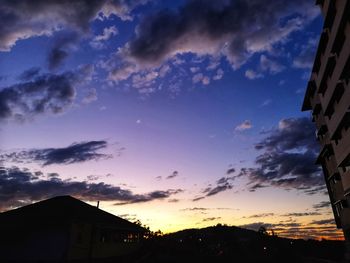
(65, 229)
(328, 96)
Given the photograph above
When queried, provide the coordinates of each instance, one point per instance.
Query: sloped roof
(62, 210)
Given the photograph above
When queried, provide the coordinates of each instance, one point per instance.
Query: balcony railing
(331, 13)
(342, 149)
(345, 217)
(345, 178)
(343, 27)
(338, 191)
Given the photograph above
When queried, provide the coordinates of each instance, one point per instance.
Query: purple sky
(177, 113)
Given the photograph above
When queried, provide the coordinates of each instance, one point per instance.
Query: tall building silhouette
(328, 96)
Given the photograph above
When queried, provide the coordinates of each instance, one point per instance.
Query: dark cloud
(235, 28)
(173, 175)
(151, 196)
(60, 49)
(260, 215)
(208, 219)
(29, 74)
(256, 186)
(20, 186)
(221, 185)
(230, 171)
(329, 221)
(295, 214)
(323, 204)
(45, 93)
(74, 153)
(288, 159)
(25, 19)
(196, 209)
(292, 134)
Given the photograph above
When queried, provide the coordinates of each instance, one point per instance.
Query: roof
(62, 210)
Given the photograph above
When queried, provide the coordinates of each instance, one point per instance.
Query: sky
(180, 114)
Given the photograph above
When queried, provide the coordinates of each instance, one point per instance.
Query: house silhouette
(65, 229)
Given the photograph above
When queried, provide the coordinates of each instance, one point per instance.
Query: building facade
(328, 97)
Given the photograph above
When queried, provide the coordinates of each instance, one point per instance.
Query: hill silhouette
(233, 244)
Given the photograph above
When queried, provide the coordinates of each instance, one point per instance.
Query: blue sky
(180, 114)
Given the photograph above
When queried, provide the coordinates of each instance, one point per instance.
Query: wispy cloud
(20, 186)
(246, 125)
(74, 153)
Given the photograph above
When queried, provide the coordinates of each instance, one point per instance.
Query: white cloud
(246, 125)
(108, 32)
(270, 66)
(219, 74)
(251, 74)
(200, 78)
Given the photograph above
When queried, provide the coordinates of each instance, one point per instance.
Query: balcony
(338, 192)
(343, 31)
(345, 217)
(309, 94)
(345, 178)
(320, 50)
(331, 165)
(331, 13)
(323, 138)
(330, 99)
(341, 109)
(319, 121)
(345, 75)
(327, 74)
(342, 149)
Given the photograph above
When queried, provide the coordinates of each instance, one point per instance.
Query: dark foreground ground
(232, 244)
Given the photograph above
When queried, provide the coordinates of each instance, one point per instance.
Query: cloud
(270, 66)
(311, 230)
(246, 125)
(295, 214)
(151, 196)
(44, 93)
(219, 74)
(329, 221)
(98, 41)
(221, 185)
(60, 50)
(173, 175)
(200, 78)
(29, 74)
(201, 209)
(260, 215)
(90, 96)
(235, 29)
(230, 171)
(22, 19)
(251, 74)
(288, 159)
(20, 187)
(291, 134)
(266, 103)
(208, 219)
(256, 186)
(306, 57)
(323, 204)
(74, 153)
